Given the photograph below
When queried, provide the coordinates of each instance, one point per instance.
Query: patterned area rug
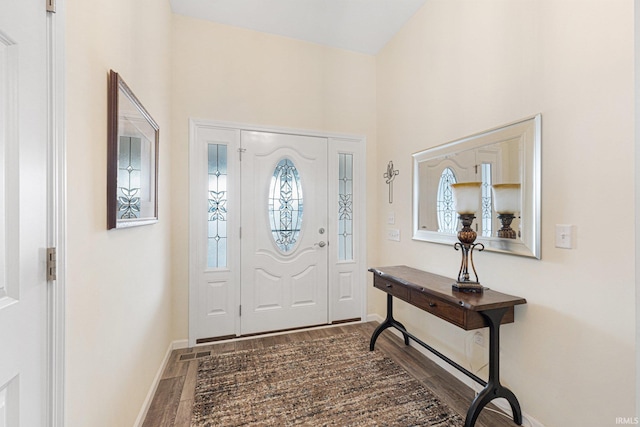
(333, 381)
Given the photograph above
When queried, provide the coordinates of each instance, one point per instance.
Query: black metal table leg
(388, 322)
(493, 389)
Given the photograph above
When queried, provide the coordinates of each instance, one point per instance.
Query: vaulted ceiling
(359, 25)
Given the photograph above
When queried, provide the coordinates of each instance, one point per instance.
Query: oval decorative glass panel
(285, 205)
(447, 219)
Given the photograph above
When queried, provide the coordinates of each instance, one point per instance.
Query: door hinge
(51, 264)
(240, 310)
(51, 6)
(240, 151)
(240, 234)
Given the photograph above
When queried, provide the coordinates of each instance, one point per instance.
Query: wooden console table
(433, 293)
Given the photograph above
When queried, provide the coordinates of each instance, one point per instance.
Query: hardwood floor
(171, 405)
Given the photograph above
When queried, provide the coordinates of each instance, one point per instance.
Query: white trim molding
(56, 211)
(174, 345)
(636, 29)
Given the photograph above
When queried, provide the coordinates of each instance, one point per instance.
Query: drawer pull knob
(389, 285)
(432, 304)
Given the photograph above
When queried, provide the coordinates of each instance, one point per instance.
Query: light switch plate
(565, 236)
(391, 218)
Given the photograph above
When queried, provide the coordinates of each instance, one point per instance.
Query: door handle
(321, 244)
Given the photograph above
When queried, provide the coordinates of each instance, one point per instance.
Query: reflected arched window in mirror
(285, 205)
(487, 204)
(447, 219)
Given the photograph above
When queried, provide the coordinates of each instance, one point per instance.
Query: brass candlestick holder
(467, 237)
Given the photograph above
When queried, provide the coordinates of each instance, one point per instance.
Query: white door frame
(345, 274)
(56, 213)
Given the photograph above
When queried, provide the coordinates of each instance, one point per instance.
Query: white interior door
(23, 213)
(284, 231)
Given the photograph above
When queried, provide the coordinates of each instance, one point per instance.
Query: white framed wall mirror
(509, 154)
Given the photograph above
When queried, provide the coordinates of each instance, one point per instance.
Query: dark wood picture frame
(132, 159)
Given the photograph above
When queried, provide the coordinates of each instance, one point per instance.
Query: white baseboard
(502, 404)
(174, 345)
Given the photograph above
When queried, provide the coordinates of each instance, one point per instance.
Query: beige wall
(229, 74)
(463, 66)
(118, 282)
(458, 67)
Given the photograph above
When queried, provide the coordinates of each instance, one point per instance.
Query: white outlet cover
(478, 338)
(393, 234)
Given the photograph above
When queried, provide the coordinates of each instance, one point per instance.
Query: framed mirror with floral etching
(132, 159)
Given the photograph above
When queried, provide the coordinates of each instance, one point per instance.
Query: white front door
(277, 229)
(284, 226)
(23, 213)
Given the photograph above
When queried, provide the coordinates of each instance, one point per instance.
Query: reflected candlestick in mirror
(506, 200)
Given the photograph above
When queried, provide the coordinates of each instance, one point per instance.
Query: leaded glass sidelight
(129, 175)
(285, 205)
(217, 206)
(487, 217)
(447, 218)
(345, 206)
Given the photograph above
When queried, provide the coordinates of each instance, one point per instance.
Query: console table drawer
(443, 309)
(395, 289)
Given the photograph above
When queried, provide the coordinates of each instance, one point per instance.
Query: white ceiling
(359, 25)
